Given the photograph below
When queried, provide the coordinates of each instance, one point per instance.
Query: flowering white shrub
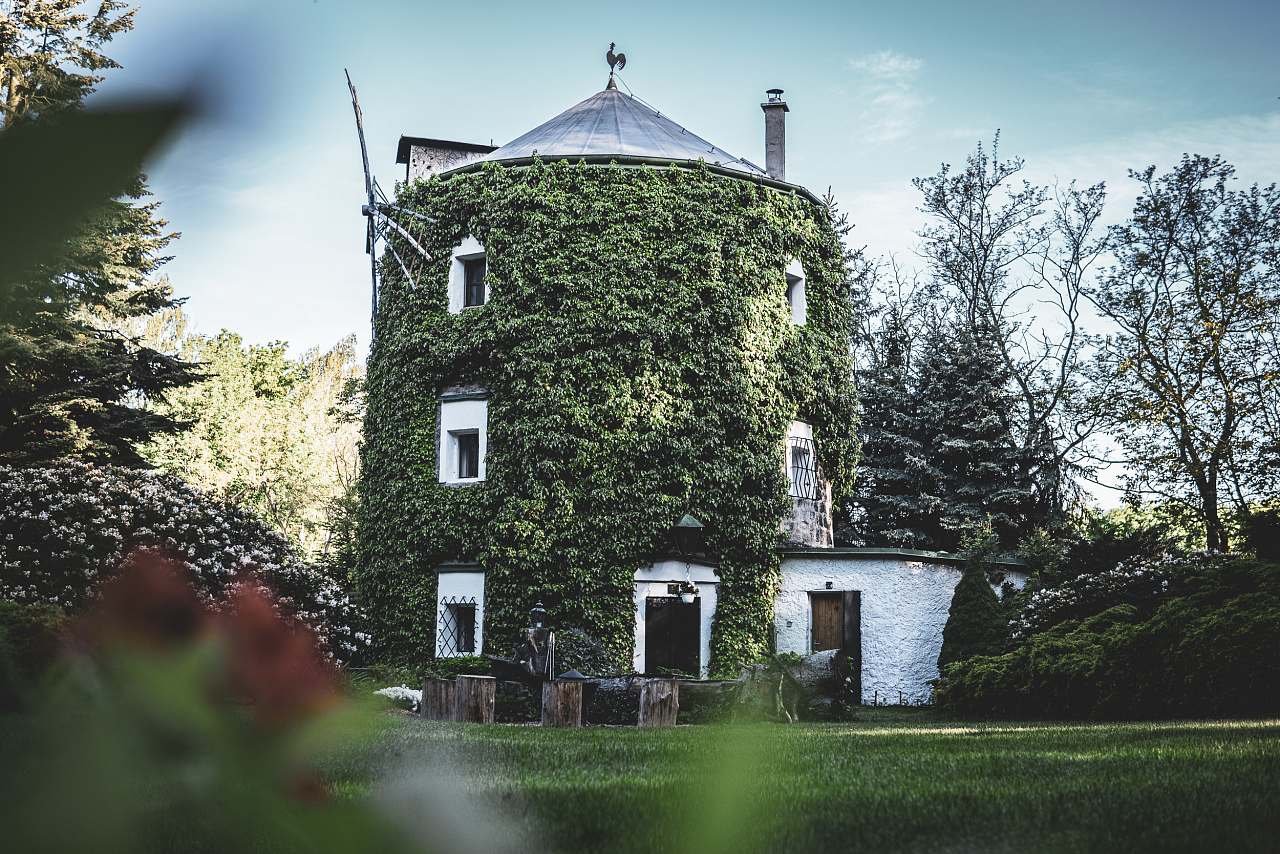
(1134, 581)
(402, 695)
(66, 527)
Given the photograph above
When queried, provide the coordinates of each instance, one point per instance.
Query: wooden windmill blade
(369, 209)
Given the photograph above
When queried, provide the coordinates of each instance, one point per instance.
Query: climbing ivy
(641, 362)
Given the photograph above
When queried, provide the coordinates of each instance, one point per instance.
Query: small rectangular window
(468, 454)
(473, 282)
(457, 628)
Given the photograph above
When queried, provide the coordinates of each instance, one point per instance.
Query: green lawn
(894, 781)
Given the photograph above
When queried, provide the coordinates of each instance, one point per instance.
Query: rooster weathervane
(617, 62)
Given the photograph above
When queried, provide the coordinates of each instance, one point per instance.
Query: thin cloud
(892, 106)
(888, 65)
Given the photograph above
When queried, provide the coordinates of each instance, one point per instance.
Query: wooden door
(672, 636)
(828, 621)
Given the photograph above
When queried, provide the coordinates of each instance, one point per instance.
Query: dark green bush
(976, 624)
(515, 703)
(1262, 533)
(67, 527)
(1208, 647)
(578, 650)
(30, 637)
(1105, 544)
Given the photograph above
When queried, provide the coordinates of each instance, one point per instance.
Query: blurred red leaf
(274, 663)
(150, 603)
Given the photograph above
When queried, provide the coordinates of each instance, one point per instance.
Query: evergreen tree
(895, 495)
(965, 406)
(69, 381)
(976, 624)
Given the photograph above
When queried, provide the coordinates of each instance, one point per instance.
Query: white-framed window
(464, 422)
(795, 293)
(468, 276)
(459, 610)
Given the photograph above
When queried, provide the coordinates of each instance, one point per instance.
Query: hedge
(1204, 644)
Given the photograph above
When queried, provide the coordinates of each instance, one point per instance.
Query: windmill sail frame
(378, 212)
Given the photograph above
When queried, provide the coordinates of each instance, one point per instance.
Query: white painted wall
(653, 580)
(795, 293)
(466, 250)
(461, 415)
(468, 584)
(905, 602)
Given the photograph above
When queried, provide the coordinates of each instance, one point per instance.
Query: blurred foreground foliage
(171, 727)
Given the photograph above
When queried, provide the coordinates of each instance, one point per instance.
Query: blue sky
(266, 189)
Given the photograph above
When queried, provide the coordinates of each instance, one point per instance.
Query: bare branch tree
(1194, 295)
(1018, 257)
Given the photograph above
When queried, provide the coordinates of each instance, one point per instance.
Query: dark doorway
(672, 636)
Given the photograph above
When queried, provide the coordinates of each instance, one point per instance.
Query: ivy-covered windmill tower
(580, 337)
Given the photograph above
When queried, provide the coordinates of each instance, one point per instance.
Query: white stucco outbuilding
(886, 607)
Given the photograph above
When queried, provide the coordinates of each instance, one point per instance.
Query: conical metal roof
(613, 124)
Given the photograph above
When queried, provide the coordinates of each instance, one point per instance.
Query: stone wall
(905, 602)
(427, 160)
(809, 522)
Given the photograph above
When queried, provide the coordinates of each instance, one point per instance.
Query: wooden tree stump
(659, 702)
(475, 699)
(439, 700)
(562, 703)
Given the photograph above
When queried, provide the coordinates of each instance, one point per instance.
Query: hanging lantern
(538, 615)
(688, 533)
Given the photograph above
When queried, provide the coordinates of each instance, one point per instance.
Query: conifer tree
(895, 495)
(975, 624)
(965, 405)
(69, 380)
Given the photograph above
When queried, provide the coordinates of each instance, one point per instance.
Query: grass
(892, 781)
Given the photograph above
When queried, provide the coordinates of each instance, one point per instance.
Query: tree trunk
(1215, 533)
(562, 703)
(659, 702)
(439, 700)
(475, 699)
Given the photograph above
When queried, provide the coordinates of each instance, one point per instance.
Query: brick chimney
(775, 135)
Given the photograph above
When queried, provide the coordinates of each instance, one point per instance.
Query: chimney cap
(774, 94)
